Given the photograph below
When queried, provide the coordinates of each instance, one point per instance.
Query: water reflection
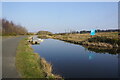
(113, 51)
(75, 61)
(91, 56)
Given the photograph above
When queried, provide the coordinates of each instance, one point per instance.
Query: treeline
(85, 31)
(44, 33)
(98, 30)
(10, 28)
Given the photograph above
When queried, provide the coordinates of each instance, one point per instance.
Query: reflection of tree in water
(113, 51)
(119, 57)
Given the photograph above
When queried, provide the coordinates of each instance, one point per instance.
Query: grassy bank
(102, 40)
(30, 65)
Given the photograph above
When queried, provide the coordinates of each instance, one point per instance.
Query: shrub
(104, 39)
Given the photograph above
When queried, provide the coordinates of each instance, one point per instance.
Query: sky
(62, 16)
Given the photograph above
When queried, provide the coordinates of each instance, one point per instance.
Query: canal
(74, 61)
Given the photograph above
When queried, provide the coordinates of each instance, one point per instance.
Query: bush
(104, 39)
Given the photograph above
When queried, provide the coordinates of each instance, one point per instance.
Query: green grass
(30, 64)
(27, 62)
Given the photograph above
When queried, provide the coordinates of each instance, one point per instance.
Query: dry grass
(104, 41)
(84, 37)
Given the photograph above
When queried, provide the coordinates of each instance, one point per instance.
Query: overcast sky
(62, 16)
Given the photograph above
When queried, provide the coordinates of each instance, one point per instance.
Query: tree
(44, 33)
(9, 28)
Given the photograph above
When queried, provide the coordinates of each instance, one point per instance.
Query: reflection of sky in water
(70, 60)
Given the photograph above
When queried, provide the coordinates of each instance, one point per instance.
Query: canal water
(74, 61)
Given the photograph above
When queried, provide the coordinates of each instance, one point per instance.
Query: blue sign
(92, 32)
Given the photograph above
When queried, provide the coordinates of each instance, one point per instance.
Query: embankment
(30, 64)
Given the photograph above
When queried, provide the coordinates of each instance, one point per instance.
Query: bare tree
(9, 28)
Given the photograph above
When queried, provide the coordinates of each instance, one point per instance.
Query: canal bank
(30, 64)
(104, 41)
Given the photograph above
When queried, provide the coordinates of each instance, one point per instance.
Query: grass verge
(29, 64)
